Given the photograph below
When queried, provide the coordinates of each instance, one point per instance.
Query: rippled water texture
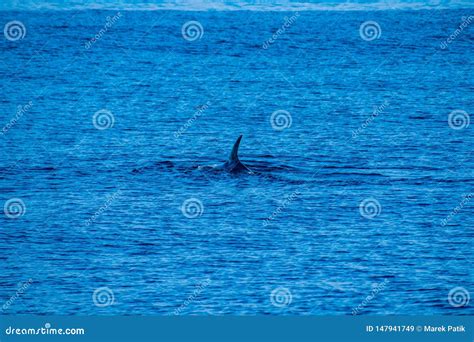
(355, 187)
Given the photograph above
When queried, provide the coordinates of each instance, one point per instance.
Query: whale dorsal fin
(234, 155)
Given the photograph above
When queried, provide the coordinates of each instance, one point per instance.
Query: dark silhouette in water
(234, 164)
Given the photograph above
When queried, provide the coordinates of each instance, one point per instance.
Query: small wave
(161, 165)
(369, 174)
(419, 117)
(13, 169)
(264, 166)
(45, 168)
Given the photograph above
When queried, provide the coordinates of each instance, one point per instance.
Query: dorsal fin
(234, 155)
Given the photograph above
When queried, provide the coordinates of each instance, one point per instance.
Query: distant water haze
(191, 5)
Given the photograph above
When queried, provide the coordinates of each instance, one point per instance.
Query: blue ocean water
(361, 198)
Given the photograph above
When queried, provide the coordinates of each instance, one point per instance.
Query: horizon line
(243, 6)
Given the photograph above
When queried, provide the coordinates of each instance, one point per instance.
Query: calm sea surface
(362, 196)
